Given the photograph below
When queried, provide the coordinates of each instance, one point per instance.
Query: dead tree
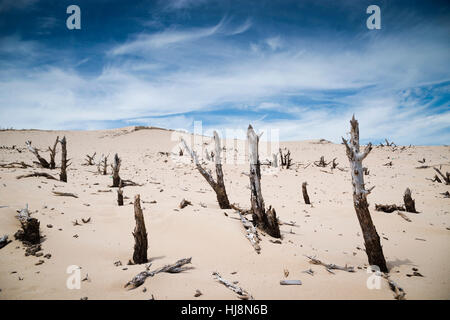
(30, 232)
(410, 205)
(90, 160)
(53, 154)
(219, 185)
(140, 234)
(102, 165)
(35, 151)
(446, 177)
(285, 159)
(115, 170)
(305, 193)
(371, 238)
(321, 162)
(120, 196)
(64, 161)
(334, 164)
(266, 221)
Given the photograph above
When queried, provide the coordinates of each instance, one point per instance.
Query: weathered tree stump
(115, 170)
(371, 238)
(410, 205)
(266, 221)
(305, 193)
(219, 185)
(102, 165)
(90, 160)
(53, 154)
(140, 234)
(34, 151)
(30, 231)
(64, 161)
(120, 196)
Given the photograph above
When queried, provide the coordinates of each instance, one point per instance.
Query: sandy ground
(328, 229)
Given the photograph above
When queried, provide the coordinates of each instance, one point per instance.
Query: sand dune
(328, 229)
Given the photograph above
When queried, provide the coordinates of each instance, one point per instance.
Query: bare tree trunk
(219, 186)
(34, 151)
(102, 165)
(266, 221)
(410, 205)
(140, 234)
(371, 238)
(90, 160)
(115, 170)
(305, 193)
(63, 174)
(120, 196)
(53, 154)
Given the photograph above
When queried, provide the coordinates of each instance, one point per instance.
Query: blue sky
(302, 67)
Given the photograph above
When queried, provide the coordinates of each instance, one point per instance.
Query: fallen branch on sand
(10, 165)
(330, 266)
(139, 279)
(399, 293)
(64, 194)
(388, 208)
(404, 216)
(252, 233)
(4, 241)
(37, 174)
(242, 294)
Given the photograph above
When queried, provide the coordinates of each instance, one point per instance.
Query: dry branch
(64, 194)
(37, 174)
(410, 205)
(252, 233)
(330, 266)
(388, 208)
(305, 193)
(242, 293)
(446, 178)
(90, 160)
(10, 165)
(53, 154)
(139, 279)
(64, 161)
(35, 151)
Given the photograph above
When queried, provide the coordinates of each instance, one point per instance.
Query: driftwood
(35, 151)
(321, 163)
(409, 202)
(115, 166)
(404, 216)
(4, 241)
(330, 266)
(64, 161)
(388, 208)
(90, 160)
(305, 193)
(371, 238)
(242, 293)
(37, 174)
(399, 293)
(120, 196)
(53, 154)
(218, 186)
(264, 220)
(10, 165)
(139, 279)
(140, 234)
(64, 194)
(446, 178)
(184, 203)
(252, 233)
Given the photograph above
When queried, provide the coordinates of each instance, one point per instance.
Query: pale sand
(328, 230)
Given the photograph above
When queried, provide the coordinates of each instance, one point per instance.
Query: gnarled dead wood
(102, 165)
(305, 193)
(404, 216)
(321, 163)
(115, 166)
(10, 165)
(90, 160)
(371, 238)
(53, 154)
(64, 161)
(120, 196)
(242, 293)
(446, 178)
(252, 233)
(30, 232)
(388, 208)
(410, 204)
(65, 194)
(35, 151)
(219, 185)
(330, 266)
(37, 174)
(139, 279)
(266, 221)
(140, 234)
